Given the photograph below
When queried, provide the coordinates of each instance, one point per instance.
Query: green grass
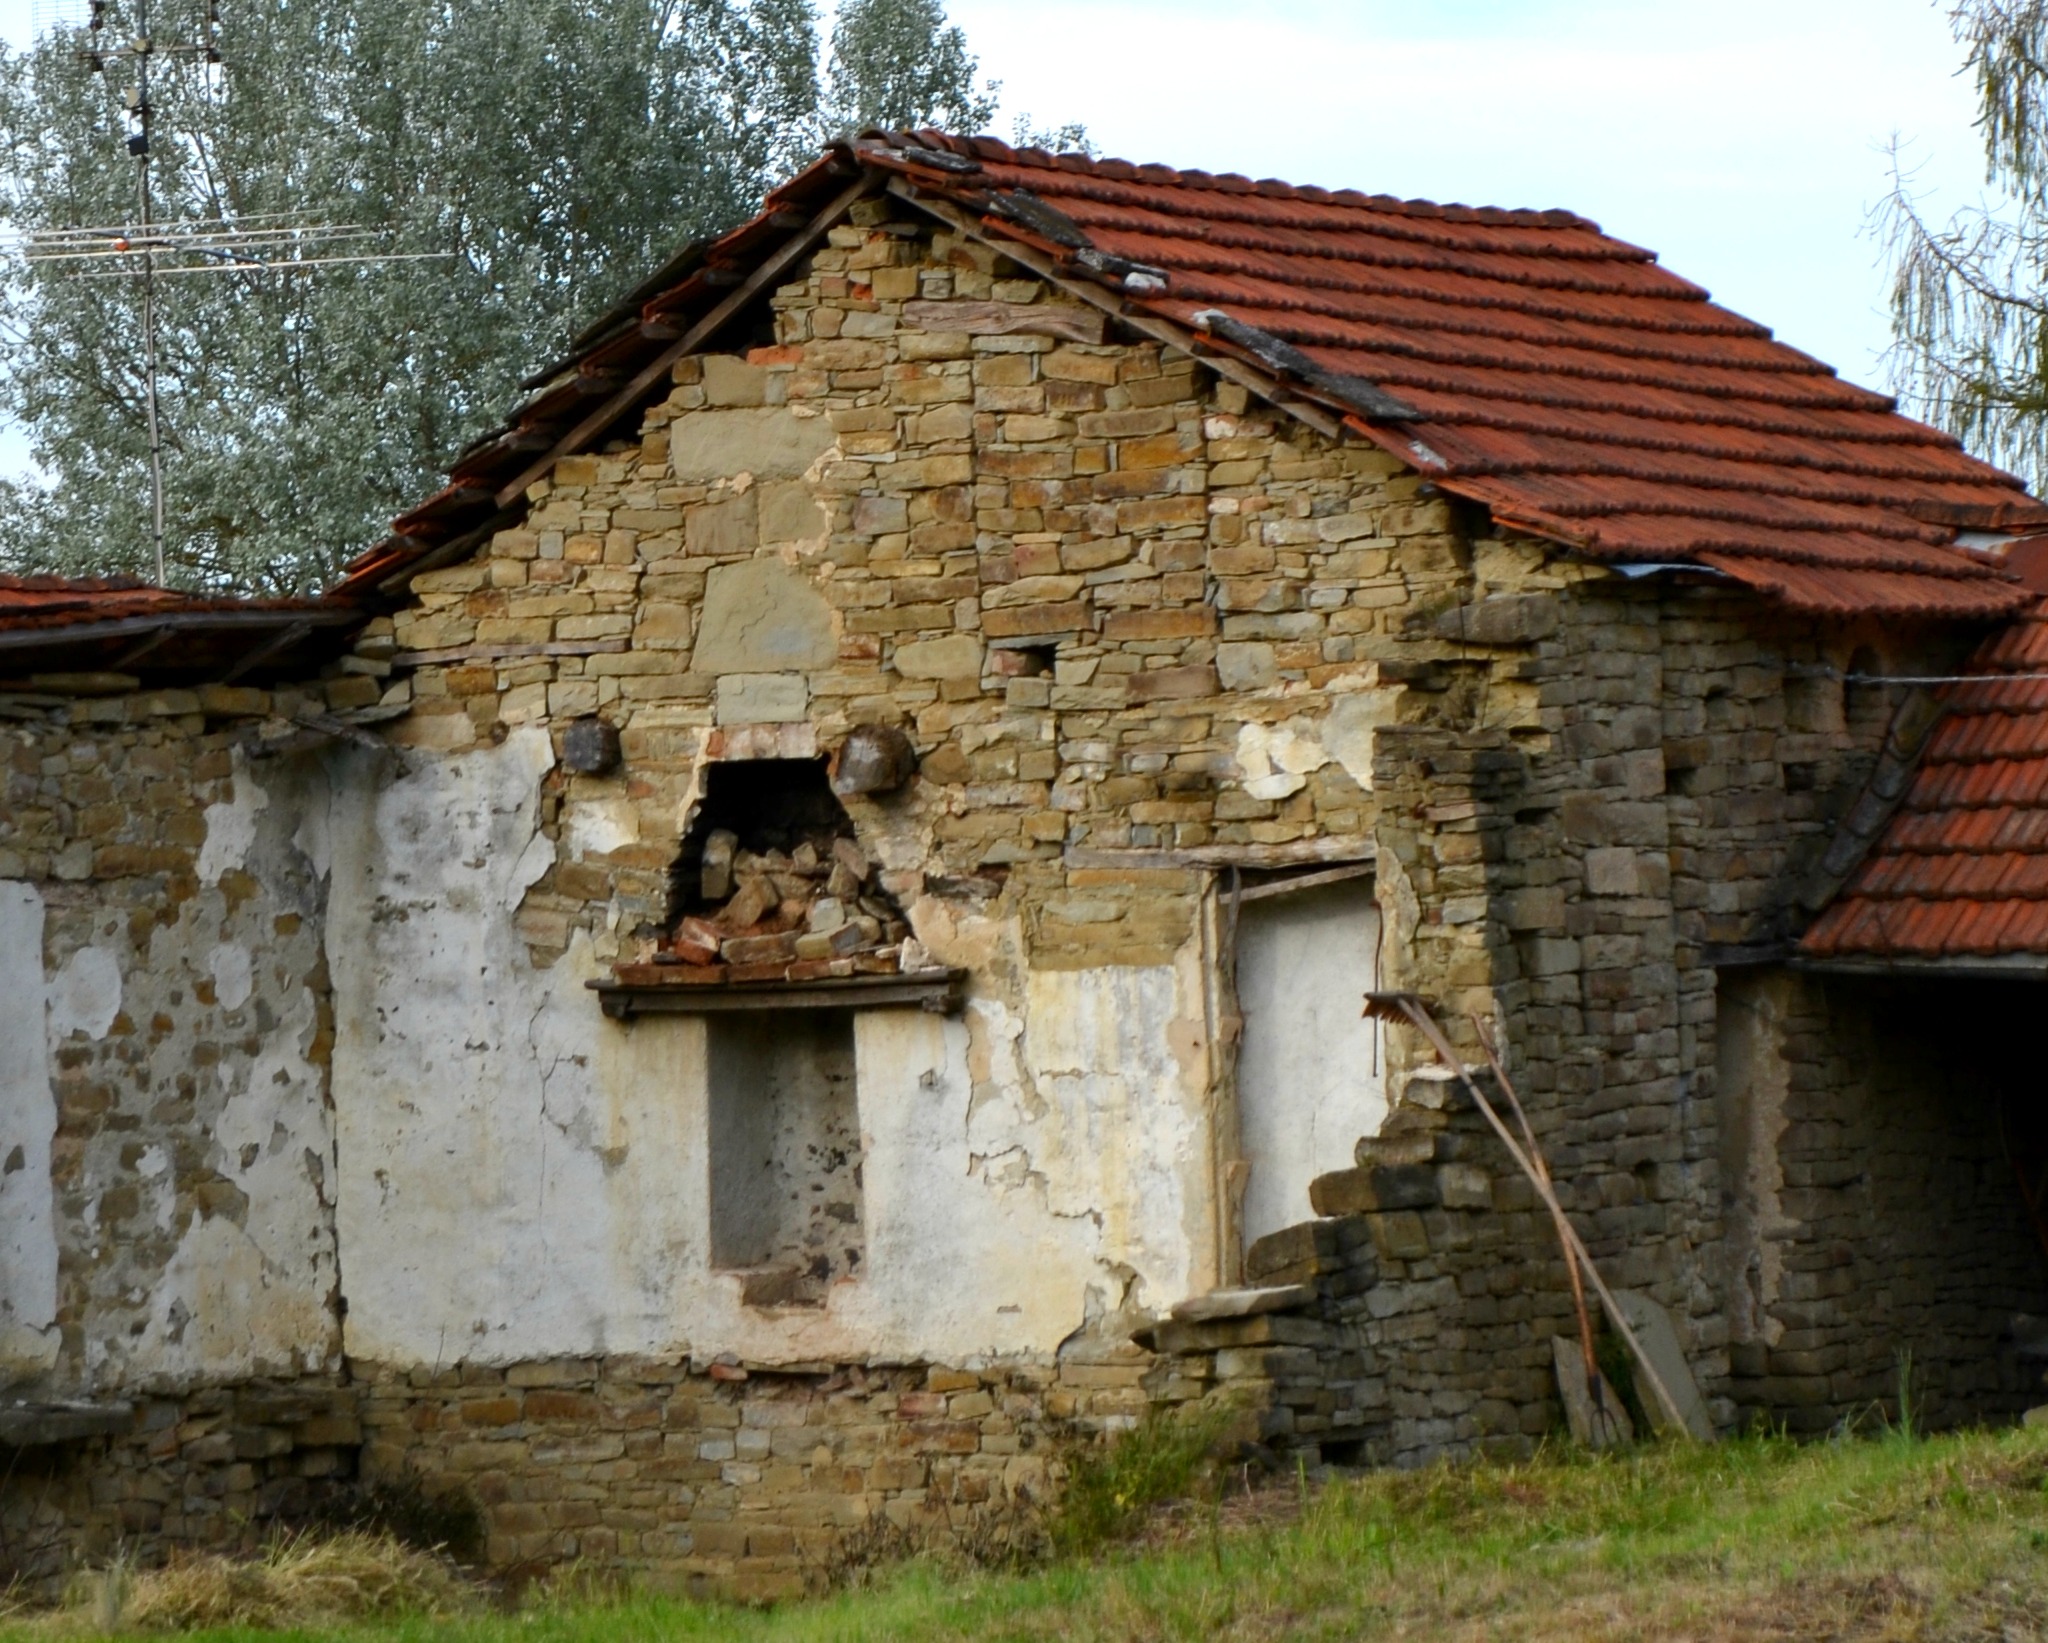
(1882, 1538)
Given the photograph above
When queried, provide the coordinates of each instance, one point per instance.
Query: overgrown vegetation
(1112, 1487)
(1886, 1537)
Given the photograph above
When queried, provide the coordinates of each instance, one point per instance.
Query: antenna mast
(138, 145)
(139, 51)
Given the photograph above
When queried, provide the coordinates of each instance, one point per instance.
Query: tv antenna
(148, 250)
(139, 52)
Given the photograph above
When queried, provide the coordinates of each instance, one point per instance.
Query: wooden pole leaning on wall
(1399, 1007)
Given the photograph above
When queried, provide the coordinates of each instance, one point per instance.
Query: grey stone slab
(1653, 1327)
(770, 442)
(28, 1425)
(761, 616)
(1242, 1303)
(761, 698)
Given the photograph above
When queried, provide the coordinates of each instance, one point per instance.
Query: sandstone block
(770, 442)
(1025, 621)
(724, 528)
(730, 380)
(954, 656)
(763, 617)
(1246, 666)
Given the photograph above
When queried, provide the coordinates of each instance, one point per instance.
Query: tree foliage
(527, 159)
(897, 63)
(1970, 296)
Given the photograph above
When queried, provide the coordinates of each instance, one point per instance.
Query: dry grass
(1884, 1540)
(298, 1583)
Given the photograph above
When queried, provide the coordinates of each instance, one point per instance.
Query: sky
(1745, 141)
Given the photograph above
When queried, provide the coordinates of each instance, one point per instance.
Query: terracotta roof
(1960, 871)
(1522, 359)
(55, 624)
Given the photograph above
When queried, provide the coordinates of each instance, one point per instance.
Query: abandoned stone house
(733, 974)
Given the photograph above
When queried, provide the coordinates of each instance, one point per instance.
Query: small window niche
(786, 1212)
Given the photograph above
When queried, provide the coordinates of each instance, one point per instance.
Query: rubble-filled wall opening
(772, 883)
(1873, 1135)
(786, 1212)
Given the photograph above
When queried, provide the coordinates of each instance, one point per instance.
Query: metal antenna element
(282, 243)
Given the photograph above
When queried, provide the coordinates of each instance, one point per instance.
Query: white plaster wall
(489, 1203)
(28, 1120)
(521, 1178)
(1310, 1078)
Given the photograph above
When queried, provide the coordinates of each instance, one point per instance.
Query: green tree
(898, 63)
(523, 162)
(1970, 295)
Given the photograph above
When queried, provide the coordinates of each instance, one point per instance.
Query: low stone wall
(211, 1468)
(1411, 1322)
(743, 1481)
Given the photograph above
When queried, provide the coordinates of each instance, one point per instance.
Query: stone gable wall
(1094, 585)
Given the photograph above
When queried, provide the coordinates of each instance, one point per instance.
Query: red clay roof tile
(55, 624)
(1961, 870)
(1554, 373)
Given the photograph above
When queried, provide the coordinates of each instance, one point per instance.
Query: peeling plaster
(1351, 728)
(233, 974)
(29, 1341)
(522, 1178)
(1277, 760)
(1126, 1142)
(599, 827)
(494, 1201)
(231, 828)
(85, 995)
(207, 1253)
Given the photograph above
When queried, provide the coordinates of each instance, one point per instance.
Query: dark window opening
(786, 1210)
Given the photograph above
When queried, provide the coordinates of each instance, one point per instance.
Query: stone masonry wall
(1877, 1209)
(219, 1467)
(745, 1482)
(1619, 787)
(1424, 1301)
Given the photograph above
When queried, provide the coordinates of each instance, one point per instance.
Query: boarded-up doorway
(1309, 1073)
